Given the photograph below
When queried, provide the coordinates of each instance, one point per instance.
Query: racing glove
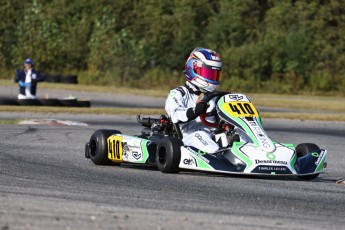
(23, 84)
(200, 108)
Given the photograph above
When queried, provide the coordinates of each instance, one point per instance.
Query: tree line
(273, 46)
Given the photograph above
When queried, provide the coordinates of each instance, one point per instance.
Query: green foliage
(273, 46)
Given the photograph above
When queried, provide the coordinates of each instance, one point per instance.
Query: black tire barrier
(84, 103)
(8, 101)
(55, 78)
(69, 79)
(70, 102)
(58, 78)
(29, 102)
(50, 102)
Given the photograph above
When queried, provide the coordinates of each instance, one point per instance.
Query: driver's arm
(200, 108)
(178, 112)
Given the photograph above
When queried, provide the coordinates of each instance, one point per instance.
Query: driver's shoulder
(182, 90)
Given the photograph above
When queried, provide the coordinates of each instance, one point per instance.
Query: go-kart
(160, 143)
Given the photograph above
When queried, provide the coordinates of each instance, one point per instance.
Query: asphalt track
(46, 183)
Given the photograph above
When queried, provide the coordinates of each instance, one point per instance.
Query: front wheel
(168, 155)
(303, 150)
(98, 147)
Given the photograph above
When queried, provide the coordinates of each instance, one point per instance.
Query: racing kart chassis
(160, 144)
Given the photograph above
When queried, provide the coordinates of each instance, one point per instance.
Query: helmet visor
(209, 73)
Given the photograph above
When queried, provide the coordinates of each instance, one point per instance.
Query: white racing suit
(194, 132)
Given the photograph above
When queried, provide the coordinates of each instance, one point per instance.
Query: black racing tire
(29, 102)
(168, 155)
(50, 102)
(55, 78)
(70, 102)
(69, 79)
(98, 145)
(8, 101)
(84, 103)
(303, 150)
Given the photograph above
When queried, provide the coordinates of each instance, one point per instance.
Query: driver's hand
(200, 108)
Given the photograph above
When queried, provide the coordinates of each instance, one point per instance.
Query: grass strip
(76, 110)
(96, 89)
(9, 121)
(304, 116)
(320, 103)
(148, 111)
(326, 104)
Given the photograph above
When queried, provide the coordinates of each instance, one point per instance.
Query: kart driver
(203, 74)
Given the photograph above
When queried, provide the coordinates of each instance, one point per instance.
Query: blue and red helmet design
(203, 69)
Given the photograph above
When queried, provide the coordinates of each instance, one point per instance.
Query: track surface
(46, 183)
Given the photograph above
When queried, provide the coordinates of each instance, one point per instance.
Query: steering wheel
(205, 122)
(206, 98)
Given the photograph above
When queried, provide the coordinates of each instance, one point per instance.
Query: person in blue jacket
(27, 80)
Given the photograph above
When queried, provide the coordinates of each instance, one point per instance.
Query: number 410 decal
(115, 148)
(242, 108)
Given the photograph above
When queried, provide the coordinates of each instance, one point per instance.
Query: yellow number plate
(240, 109)
(115, 148)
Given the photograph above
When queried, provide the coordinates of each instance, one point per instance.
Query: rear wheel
(303, 150)
(98, 147)
(168, 155)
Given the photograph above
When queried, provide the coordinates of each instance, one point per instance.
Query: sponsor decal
(271, 156)
(189, 162)
(198, 155)
(271, 162)
(176, 101)
(236, 97)
(320, 158)
(197, 135)
(260, 134)
(134, 145)
(201, 152)
(136, 155)
(314, 154)
(272, 168)
(125, 149)
(216, 58)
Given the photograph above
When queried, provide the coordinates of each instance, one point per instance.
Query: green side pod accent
(320, 166)
(293, 161)
(144, 151)
(202, 164)
(236, 150)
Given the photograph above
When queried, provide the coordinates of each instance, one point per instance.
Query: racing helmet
(29, 61)
(203, 69)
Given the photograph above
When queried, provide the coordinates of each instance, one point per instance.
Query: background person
(27, 80)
